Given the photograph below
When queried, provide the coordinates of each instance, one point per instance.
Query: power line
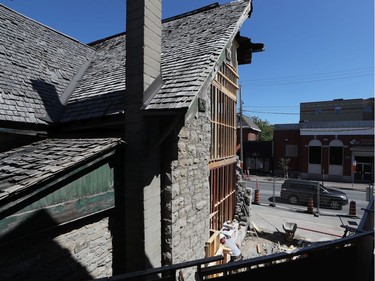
(306, 81)
(273, 106)
(268, 112)
(354, 70)
(307, 105)
(310, 78)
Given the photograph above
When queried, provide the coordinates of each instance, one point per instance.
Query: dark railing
(167, 272)
(348, 258)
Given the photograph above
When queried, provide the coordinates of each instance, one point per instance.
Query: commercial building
(333, 141)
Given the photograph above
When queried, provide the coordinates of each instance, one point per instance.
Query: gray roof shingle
(101, 90)
(23, 167)
(247, 122)
(36, 65)
(31, 82)
(191, 46)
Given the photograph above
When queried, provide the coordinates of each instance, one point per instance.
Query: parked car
(297, 191)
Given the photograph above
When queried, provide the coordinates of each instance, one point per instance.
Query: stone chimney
(143, 47)
(141, 177)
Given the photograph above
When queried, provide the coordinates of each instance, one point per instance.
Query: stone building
(117, 155)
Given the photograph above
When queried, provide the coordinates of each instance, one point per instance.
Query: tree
(284, 165)
(266, 128)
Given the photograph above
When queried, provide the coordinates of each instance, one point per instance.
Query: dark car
(297, 191)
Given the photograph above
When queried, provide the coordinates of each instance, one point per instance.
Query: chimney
(141, 187)
(143, 47)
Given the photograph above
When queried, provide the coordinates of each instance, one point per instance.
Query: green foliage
(284, 165)
(266, 128)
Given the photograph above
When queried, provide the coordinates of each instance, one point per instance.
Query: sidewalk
(326, 226)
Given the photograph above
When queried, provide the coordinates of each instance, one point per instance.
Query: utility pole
(241, 136)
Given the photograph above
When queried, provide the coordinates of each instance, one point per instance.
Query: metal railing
(335, 255)
(167, 272)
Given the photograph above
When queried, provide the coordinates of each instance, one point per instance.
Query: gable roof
(101, 89)
(247, 122)
(191, 46)
(36, 65)
(63, 80)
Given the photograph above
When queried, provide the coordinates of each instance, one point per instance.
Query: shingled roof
(48, 77)
(191, 46)
(247, 122)
(36, 66)
(101, 90)
(41, 161)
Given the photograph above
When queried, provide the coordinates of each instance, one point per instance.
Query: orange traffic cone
(352, 208)
(310, 206)
(256, 197)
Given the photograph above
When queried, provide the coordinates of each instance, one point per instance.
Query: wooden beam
(221, 163)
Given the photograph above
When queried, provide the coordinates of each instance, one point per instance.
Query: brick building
(334, 141)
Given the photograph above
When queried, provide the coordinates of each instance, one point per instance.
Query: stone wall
(83, 253)
(190, 193)
(244, 198)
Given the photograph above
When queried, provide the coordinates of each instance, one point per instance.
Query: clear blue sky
(314, 50)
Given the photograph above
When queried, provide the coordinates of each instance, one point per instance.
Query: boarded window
(291, 150)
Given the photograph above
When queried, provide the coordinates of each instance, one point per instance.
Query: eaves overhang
(246, 49)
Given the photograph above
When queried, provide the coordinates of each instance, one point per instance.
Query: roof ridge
(106, 38)
(193, 12)
(45, 26)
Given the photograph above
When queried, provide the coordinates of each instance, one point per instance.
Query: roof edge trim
(245, 15)
(202, 9)
(45, 26)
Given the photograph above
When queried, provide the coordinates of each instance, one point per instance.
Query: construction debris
(269, 243)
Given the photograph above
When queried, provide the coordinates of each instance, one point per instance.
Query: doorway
(364, 169)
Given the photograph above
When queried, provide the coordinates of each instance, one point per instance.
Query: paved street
(344, 185)
(325, 226)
